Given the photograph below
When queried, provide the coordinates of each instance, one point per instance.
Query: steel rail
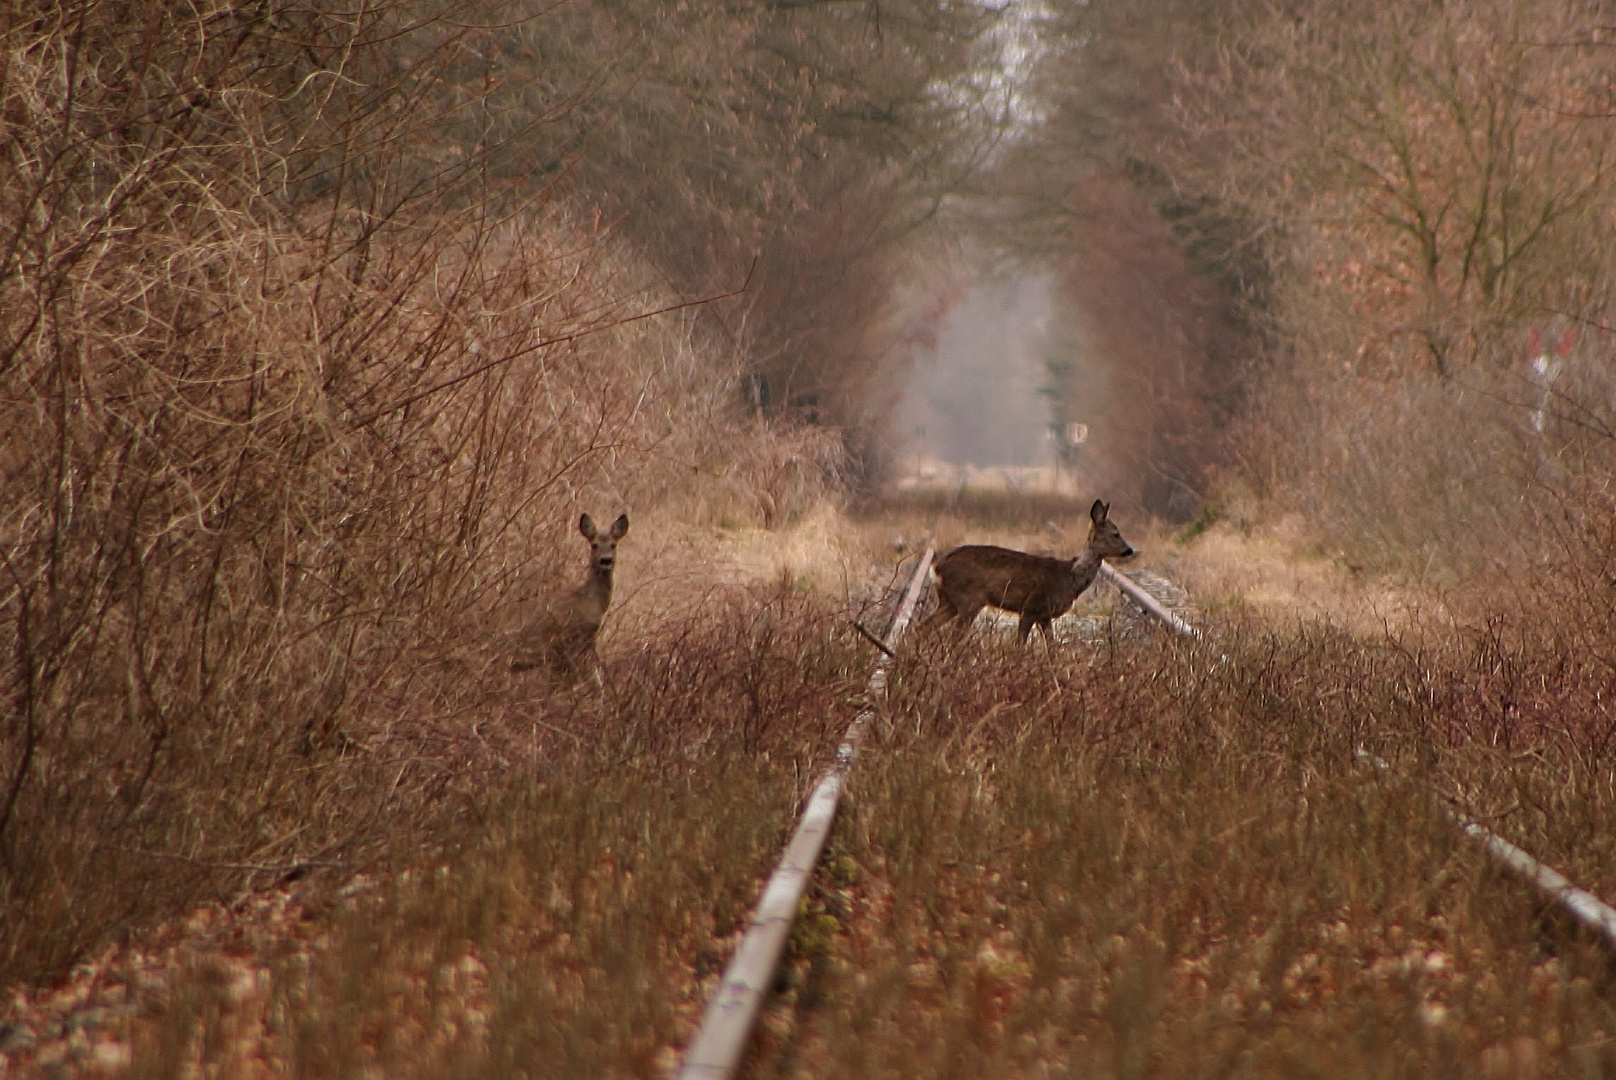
(1147, 602)
(1582, 905)
(720, 1042)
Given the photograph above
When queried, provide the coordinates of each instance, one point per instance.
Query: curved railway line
(720, 1043)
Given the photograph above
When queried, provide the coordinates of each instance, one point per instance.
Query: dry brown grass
(1284, 572)
(568, 913)
(1133, 857)
(1161, 861)
(1137, 858)
(279, 468)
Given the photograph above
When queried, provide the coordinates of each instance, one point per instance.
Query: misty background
(981, 395)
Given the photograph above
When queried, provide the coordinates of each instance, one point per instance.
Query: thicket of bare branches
(1380, 237)
(300, 381)
(1434, 188)
(795, 146)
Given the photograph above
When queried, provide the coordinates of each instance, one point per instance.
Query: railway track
(721, 1041)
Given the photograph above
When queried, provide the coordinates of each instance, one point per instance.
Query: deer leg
(951, 610)
(945, 611)
(967, 616)
(1049, 651)
(1024, 627)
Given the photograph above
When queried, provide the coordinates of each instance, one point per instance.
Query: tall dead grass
(1142, 858)
(296, 400)
(1165, 861)
(574, 922)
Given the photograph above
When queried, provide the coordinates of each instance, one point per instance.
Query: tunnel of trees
(314, 315)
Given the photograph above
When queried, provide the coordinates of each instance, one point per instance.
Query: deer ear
(620, 527)
(1098, 511)
(586, 527)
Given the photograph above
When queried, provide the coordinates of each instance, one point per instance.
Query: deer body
(1038, 588)
(562, 636)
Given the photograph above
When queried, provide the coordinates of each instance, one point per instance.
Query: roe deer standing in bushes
(1037, 587)
(563, 635)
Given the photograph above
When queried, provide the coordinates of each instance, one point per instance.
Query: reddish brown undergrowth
(1170, 860)
(298, 404)
(584, 868)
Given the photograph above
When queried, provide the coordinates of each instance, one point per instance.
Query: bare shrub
(1434, 203)
(588, 897)
(1156, 362)
(1168, 860)
(1365, 231)
(1155, 269)
(295, 391)
(798, 147)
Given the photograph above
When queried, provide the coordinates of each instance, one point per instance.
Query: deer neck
(1085, 566)
(598, 586)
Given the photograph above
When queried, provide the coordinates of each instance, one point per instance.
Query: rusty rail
(720, 1042)
(1147, 603)
(1583, 906)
